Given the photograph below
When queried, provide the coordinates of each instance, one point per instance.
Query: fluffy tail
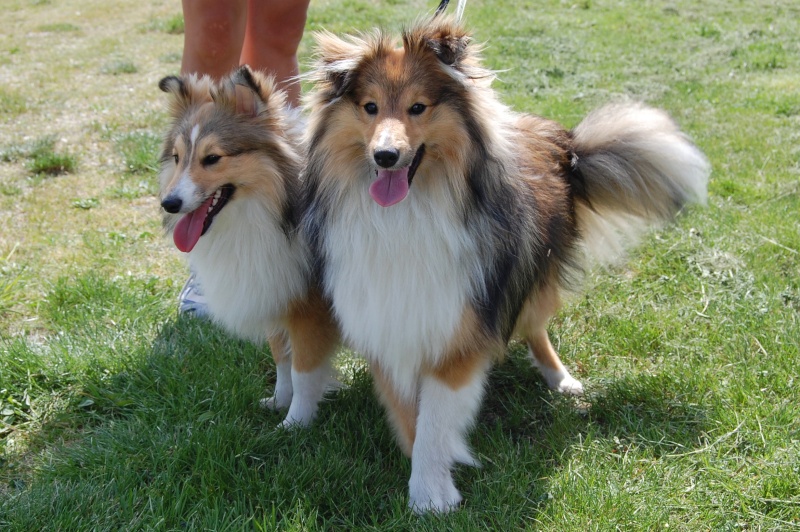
(634, 169)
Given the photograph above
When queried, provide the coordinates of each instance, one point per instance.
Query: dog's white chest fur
(248, 269)
(399, 278)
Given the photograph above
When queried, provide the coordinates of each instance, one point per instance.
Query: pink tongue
(391, 187)
(188, 230)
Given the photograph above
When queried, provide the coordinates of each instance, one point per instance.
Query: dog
(229, 190)
(442, 223)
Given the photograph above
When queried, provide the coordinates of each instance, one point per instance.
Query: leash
(459, 9)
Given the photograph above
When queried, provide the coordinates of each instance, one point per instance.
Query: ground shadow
(183, 419)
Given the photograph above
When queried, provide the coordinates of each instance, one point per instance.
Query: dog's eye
(208, 160)
(371, 108)
(417, 109)
(175, 156)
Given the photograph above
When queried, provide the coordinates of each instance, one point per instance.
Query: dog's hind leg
(546, 360)
(532, 325)
(313, 339)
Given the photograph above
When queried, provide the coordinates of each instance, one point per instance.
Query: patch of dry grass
(53, 86)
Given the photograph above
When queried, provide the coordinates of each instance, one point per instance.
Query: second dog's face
(199, 166)
(226, 144)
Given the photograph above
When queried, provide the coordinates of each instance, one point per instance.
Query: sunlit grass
(116, 414)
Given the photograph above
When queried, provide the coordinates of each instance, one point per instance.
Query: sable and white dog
(229, 190)
(443, 223)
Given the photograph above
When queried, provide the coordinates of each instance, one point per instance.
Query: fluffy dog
(443, 223)
(229, 190)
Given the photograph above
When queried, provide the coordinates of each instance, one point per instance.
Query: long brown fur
(236, 141)
(509, 207)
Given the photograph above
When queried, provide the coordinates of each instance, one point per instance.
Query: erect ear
(246, 101)
(247, 92)
(185, 92)
(450, 43)
(173, 84)
(336, 61)
(180, 99)
(441, 8)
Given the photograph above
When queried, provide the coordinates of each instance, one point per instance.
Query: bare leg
(214, 31)
(273, 34)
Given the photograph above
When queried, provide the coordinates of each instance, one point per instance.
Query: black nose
(386, 158)
(172, 204)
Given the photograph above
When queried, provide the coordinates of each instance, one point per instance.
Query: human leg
(213, 35)
(273, 33)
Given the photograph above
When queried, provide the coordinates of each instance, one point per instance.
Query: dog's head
(228, 140)
(399, 109)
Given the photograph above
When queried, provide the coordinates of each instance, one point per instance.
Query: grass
(119, 66)
(52, 163)
(11, 103)
(10, 286)
(63, 27)
(85, 203)
(117, 414)
(140, 151)
(171, 24)
(41, 157)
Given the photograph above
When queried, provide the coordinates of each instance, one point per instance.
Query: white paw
(275, 403)
(300, 415)
(434, 493)
(291, 424)
(561, 381)
(570, 386)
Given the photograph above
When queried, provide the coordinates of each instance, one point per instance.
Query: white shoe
(191, 300)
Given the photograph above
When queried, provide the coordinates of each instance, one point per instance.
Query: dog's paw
(300, 415)
(274, 403)
(561, 381)
(281, 400)
(292, 423)
(570, 386)
(433, 493)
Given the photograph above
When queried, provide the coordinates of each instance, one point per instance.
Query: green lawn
(115, 414)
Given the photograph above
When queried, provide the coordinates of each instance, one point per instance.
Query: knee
(214, 25)
(282, 29)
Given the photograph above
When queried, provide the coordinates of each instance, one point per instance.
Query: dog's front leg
(304, 375)
(309, 388)
(313, 339)
(282, 398)
(449, 400)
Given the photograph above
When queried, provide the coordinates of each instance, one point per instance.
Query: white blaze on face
(391, 135)
(193, 137)
(186, 189)
(384, 139)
